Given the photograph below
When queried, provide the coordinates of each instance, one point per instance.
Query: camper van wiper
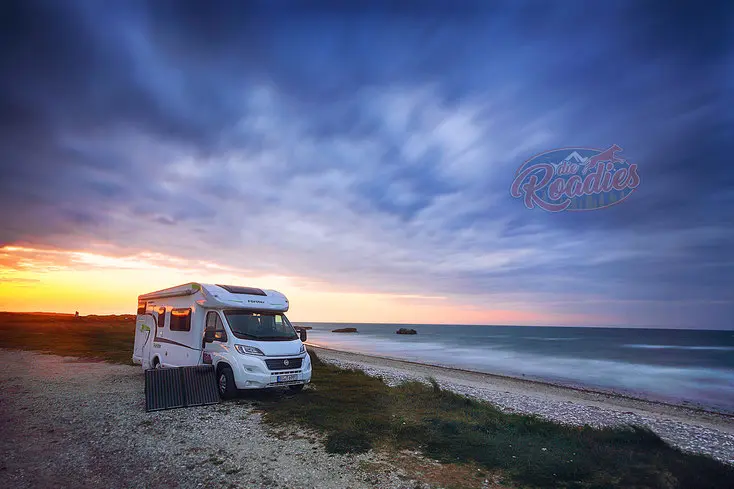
(245, 336)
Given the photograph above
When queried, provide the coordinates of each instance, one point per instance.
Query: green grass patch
(357, 412)
(108, 338)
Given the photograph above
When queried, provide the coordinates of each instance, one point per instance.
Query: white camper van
(241, 331)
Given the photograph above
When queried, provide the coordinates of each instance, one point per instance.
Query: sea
(689, 367)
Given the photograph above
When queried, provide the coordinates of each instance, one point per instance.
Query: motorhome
(242, 331)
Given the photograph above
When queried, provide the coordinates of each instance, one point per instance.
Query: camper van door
(144, 333)
(215, 327)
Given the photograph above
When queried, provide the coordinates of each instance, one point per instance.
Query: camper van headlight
(302, 350)
(248, 350)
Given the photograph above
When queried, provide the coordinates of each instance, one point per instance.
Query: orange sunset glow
(52, 280)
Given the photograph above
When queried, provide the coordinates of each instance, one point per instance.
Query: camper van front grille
(283, 363)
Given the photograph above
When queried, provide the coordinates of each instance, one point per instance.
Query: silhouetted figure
(76, 314)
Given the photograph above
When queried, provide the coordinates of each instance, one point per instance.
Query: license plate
(287, 378)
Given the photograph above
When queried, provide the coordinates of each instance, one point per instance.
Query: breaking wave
(680, 347)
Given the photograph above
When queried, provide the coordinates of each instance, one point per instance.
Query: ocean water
(679, 366)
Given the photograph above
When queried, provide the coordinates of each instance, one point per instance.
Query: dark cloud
(374, 142)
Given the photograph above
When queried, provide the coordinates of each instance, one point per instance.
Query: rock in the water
(406, 331)
(344, 330)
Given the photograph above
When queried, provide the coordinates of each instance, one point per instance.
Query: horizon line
(685, 328)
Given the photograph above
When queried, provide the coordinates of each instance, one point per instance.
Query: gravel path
(686, 428)
(66, 422)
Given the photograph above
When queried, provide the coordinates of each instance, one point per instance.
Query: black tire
(225, 383)
(296, 388)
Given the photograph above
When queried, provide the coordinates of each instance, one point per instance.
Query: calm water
(672, 365)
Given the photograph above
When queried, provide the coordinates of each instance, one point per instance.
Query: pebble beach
(692, 430)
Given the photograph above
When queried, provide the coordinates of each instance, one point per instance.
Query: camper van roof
(215, 295)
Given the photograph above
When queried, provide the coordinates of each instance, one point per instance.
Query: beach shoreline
(631, 396)
(688, 428)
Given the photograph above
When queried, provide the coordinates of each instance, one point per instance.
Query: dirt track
(81, 424)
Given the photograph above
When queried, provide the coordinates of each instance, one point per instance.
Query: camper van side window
(180, 320)
(141, 307)
(214, 323)
(162, 317)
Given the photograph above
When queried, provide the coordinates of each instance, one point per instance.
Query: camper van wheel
(227, 389)
(296, 388)
(157, 364)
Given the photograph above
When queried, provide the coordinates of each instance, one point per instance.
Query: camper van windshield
(249, 325)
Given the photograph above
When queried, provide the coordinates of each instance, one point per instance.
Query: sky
(358, 157)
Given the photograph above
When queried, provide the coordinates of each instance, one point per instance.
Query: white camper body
(241, 331)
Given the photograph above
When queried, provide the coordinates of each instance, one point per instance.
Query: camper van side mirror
(209, 336)
(302, 334)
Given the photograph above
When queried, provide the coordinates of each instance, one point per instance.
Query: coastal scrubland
(359, 412)
(108, 338)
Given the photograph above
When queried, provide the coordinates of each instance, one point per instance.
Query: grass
(357, 412)
(108, 338)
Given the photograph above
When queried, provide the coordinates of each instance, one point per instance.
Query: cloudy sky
(360, 157)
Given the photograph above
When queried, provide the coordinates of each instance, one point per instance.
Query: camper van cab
(242, 331)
